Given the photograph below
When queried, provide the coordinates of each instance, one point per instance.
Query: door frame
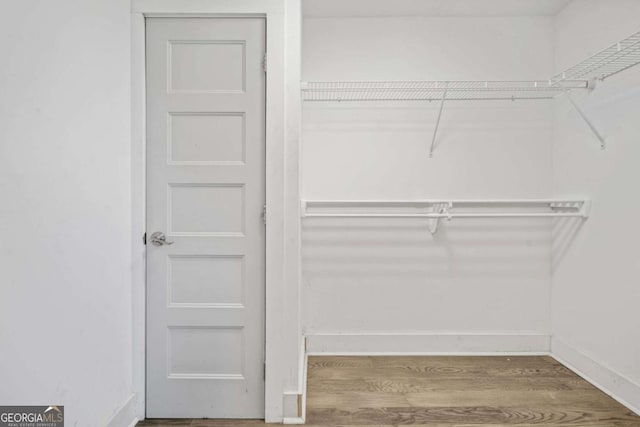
(279, 352)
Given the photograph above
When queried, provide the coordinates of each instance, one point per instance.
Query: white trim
(302, 378)
(428, 344)
(293, 243)
(201, 15)
(429, 353)
(290, 399)
(138, 203)
(281, 347)
(125, 416)
(290, 406)
(221, 8)
(620, 388)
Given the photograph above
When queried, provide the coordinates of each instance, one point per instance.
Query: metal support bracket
(435, 131)
(586, 209)
(440, 208)
(586, 119)
(582, 207)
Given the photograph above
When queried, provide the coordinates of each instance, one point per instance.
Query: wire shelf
(437, 90)
(612, 60)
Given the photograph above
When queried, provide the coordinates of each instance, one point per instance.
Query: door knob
(158, 239)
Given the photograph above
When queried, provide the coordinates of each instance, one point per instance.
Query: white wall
(65, 304)
(596, 326)
(377, 277)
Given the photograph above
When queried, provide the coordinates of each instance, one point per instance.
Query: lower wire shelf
(436, 210)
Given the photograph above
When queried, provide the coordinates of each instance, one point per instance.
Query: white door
(205, 193)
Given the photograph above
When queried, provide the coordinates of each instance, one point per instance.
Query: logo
(32, 416)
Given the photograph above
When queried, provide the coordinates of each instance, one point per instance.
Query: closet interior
(466, 181)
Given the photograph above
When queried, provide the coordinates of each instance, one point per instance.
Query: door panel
(205, 192)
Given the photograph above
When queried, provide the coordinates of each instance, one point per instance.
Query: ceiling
(362, 8)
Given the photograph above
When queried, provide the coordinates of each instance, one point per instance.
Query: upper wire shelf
(437, 90)
(606, 63)
(612, 60)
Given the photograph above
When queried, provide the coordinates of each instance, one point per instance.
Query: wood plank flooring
(451, 391)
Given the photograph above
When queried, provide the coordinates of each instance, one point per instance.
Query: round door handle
(159, 239)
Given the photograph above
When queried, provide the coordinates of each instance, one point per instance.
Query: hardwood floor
(458, 391)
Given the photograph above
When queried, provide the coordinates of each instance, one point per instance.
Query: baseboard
(610, 382)
(290, 406)
(295, 403)
(126, 415)
(303, 391)
(428, 344)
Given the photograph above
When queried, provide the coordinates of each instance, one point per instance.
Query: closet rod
(365, 202)
(442, 209)
(448, 215)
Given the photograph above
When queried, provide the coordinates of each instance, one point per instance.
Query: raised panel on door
(205, 192)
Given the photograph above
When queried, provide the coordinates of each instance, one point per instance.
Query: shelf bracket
(440, 208)
(435, 131)
(303, 208)
(581, 207)
(586, 119)
(586, 209)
